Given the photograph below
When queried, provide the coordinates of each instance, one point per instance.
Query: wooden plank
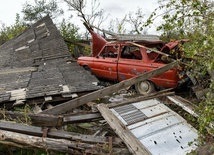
(81, 118)
(36, 119)
(188, 107)
(184, 104)
(26, 141)
(141, 98)
(59, 145)
(138, 37)
(122, 131)
(151, 49)
(67, 106)
(50, 120)
(38, 131)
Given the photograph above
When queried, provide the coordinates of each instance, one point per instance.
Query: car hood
(170, 45)
(97, 43)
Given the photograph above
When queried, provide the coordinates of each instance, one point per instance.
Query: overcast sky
(115, 9)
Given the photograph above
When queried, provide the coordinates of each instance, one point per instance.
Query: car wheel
(87, 69)
(145, 87)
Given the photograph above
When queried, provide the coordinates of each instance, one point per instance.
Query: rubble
(37, 70)
(44, 124)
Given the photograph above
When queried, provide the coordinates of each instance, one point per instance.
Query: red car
(121, 60)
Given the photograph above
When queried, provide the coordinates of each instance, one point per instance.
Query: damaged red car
(121, 60)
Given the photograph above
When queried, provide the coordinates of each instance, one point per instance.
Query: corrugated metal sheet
(157, 127)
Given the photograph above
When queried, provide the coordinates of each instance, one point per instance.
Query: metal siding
(161, 130)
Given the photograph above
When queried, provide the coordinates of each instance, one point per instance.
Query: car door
(105, 64)
(131, 62)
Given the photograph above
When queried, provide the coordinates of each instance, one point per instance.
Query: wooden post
(35, 119)
(52, 133)
(69, 105)
(26, 141)
(133, 144)
(48, 144)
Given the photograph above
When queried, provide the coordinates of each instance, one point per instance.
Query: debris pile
(45, 131)
(60, 110)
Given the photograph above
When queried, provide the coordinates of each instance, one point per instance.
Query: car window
(131, 52)
(151, 54)
(109, 52)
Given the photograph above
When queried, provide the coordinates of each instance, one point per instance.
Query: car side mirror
(97, 56)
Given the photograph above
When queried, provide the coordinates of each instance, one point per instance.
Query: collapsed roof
(37, 63)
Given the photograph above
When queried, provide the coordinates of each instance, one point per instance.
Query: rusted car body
(121, 60)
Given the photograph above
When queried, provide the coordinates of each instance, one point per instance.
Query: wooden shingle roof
(37, 63)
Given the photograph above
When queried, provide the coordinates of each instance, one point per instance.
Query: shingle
(41, 46)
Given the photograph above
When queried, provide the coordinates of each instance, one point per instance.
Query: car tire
(87, 69)
(144, 87)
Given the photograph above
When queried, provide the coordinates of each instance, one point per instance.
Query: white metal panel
(145, 104)
(171, 141)
(147, 121)
(161, 131)
(156, 110)
(156, 126)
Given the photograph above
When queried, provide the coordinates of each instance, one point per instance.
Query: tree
(70, 33)
(136, 21)
(193, 20)
(95, 16)
(118, 26)
(133, 20)
(9, 32)
(41, 8)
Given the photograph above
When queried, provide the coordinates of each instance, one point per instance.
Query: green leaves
(41, 8)
(193, 20)
(70, 33)
(9, 32)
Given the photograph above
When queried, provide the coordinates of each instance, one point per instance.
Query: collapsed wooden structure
(37, 66)
(43, 133)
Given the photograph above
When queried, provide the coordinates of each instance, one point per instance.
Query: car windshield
(131, 52)
(109, 52)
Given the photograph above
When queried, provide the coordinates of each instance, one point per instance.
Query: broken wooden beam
(141, 98)
(50, 144)
(26, 141)
(97, 116)
(53, 133)
(69, 105)
(81, 118)
(122, 131)
(159, 52)
(184, 104)
(49, 120)
(188, 107)
(35, 119)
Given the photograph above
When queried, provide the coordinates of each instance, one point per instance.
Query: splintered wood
(41, 134)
